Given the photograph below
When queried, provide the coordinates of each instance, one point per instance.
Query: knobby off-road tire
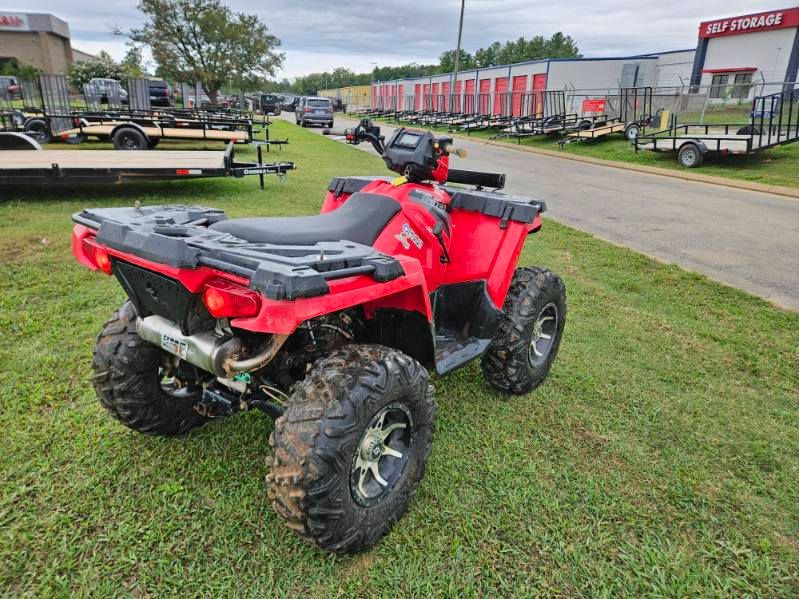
(535, 304)
(128, 383)
(317, 442)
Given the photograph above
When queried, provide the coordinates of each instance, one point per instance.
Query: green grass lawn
(661, 457)
(777, 166)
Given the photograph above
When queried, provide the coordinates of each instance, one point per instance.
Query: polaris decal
(409, 235)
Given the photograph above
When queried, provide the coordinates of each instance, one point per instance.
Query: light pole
(372, 87)
(454, 83)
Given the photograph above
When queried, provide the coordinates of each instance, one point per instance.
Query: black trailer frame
(773, 121)
(635, 110)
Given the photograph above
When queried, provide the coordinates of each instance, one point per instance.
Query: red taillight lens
(103, 261)
(97, 255)
(228, 300)
(307, 109)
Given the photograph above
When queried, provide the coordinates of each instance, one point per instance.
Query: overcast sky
(322, 34)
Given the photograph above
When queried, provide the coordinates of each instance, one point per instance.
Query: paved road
(746, 239)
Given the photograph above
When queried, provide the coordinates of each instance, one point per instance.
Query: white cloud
(322, 34)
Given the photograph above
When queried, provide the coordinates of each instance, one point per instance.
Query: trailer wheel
(40, 130)
(631, 132)
(351, 448)
(129, 138)
(690, 156)
(584, 125)
(529, 333)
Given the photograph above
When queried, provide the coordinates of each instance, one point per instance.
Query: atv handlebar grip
(492, 180)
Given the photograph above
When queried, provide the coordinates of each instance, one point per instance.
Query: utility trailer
(773, 121)
(634, 114)
(24, 162)
(139, 127)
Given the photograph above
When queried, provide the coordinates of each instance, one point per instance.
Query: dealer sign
(12, 21)
(764, 21)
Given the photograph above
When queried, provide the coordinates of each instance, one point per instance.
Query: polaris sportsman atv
(327, 323)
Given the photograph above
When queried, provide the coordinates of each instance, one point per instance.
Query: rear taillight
(307, 109)
(97, 255)
(228, 300)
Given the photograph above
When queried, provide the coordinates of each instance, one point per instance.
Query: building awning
(731, 70)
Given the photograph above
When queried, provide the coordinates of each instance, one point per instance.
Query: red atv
(328, 323)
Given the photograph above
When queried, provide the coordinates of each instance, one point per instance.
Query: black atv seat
(360, 219)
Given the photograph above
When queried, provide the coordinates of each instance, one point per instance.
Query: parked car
(289, 103)
(107, 87)
(314, 111)
(160, 93)
(11, 85)
(270, 104)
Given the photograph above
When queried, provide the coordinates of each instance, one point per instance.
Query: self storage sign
(776, 19)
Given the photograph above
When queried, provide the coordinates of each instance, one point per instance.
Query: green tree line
(497, 53)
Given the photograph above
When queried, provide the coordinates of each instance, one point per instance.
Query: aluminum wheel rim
(129, 143)
(543, 336)
(381, 455)
(689, 156)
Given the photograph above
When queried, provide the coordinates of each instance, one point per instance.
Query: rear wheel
(690, 156)
(141, 385)
(529, 332)
(631, 132)
(351, 448)
(129, 138)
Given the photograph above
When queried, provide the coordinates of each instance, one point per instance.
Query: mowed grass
(776, 166)
(661, 457)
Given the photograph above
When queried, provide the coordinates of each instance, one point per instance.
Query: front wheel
(141, 385)
(351, 448)
(529, 333)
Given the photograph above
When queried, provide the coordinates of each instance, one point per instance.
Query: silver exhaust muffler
(222, 356)
(205, 350)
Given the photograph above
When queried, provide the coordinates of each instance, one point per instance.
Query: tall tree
(446, 61)
(205, 41)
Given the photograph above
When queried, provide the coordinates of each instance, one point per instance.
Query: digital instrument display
(409, 140)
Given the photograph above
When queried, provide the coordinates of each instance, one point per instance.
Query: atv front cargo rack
(179, 236)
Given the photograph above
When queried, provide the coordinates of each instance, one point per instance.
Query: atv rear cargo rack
(179, 236)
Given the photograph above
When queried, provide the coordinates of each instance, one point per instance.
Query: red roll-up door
(539, 87)
(445, 96)
(417, 96)
(519, 87)
(456, 103)
(435, 96)
(427, 103)
(468, 97)
(484, 105)
(500, 94)
(400, 96)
